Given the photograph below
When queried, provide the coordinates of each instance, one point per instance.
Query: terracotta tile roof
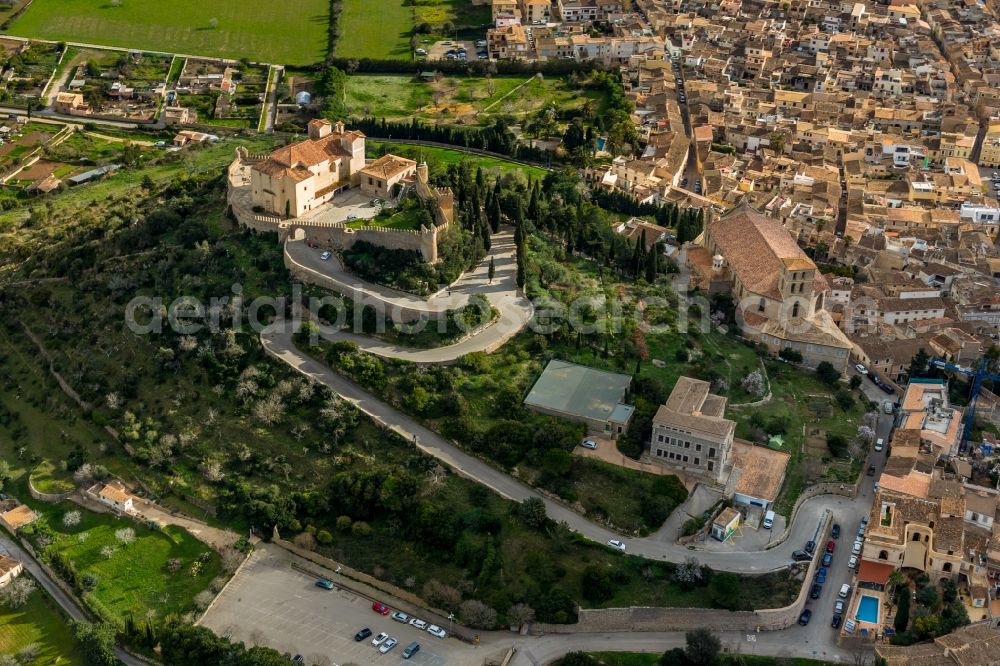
(115, 492)
(19, 516)
(7, 564)
(295, 159)
(757, 248)
(683, 410)
(388, 166)
(760, 470)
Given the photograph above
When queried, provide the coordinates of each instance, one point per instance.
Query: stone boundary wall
(829, 488)
(47, 497)
(637, 619)
(334, 235)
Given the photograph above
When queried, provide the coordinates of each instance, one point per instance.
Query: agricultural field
(41, 623)
(259, 30)
(461, 100)
(142, 572)
(383, 29)
(32, 66)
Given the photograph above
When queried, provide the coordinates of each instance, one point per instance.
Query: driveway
(515, 311)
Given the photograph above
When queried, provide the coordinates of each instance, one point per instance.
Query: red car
(380, 608)
(830, 545)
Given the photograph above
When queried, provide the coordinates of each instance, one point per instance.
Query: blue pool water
(601, 142)
(868, 609)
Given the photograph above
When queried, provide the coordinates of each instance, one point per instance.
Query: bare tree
(688, 572)
(203, 599)
(477, 614)
(305, 540)
(213, 23)
(125, 535)
(444, 596)
(520, 614)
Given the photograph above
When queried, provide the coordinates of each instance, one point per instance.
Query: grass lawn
(439, 159)
(134, 579)
(39, 622)
(46, 479)
(259, 30)
(460, 100)
(375, 29)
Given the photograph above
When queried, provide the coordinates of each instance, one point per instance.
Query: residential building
(9, 570)
(691, 433)
(116, 495)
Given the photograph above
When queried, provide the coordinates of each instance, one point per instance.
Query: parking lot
(271, 603)
(438, 50)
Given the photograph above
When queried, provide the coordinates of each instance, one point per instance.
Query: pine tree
(492, 270)
(493, 214)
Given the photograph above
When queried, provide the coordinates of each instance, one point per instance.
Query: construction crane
(977, 375)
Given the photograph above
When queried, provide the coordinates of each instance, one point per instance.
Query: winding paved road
(515, 311)
(277, 340)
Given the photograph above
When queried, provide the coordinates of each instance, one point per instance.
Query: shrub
(827, 374)
(343, 523)
(361, 529)
(324, 537)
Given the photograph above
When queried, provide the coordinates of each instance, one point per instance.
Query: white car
(325, 256)
(856, 549)
(839, 606)
(845, 589)
(435, 630)
(862, 369)
(400, 616)
(589, 444)
(387, 645)
(853, 562)
(879, 444)
(615, 543)
(418, 623)
(381, 638)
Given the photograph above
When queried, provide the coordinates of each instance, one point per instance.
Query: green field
(462, 100)
(41, 623)
(135, 577)
(375, 29)
(258, 30)
(439, 159)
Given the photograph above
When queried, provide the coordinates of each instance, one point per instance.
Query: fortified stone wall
(335, 235)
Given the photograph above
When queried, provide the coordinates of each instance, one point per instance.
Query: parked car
(363, 634)
(421, 52)
(856, 549)
(827, 559)
(864, 519)
(388, 645)
(380, 608)
(831, 546)
(411, 650)
(861, 369)
(615, 543)
(853, 562)
(871, 470)
(325, 256)
(888, 389)
(435, 630)
(589, 444)
(816, 590)
(418, 623)
(810, 547)
(887, 406)
(835, 623)
(378, 640)
(821, 575)
(835, 532)
(801, 556)
(845, 590)
(805, 617)
(879, 444)
(325, 584)
(400, 616)
(838, 607)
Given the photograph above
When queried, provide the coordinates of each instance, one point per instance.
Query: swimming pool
(868, 609)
